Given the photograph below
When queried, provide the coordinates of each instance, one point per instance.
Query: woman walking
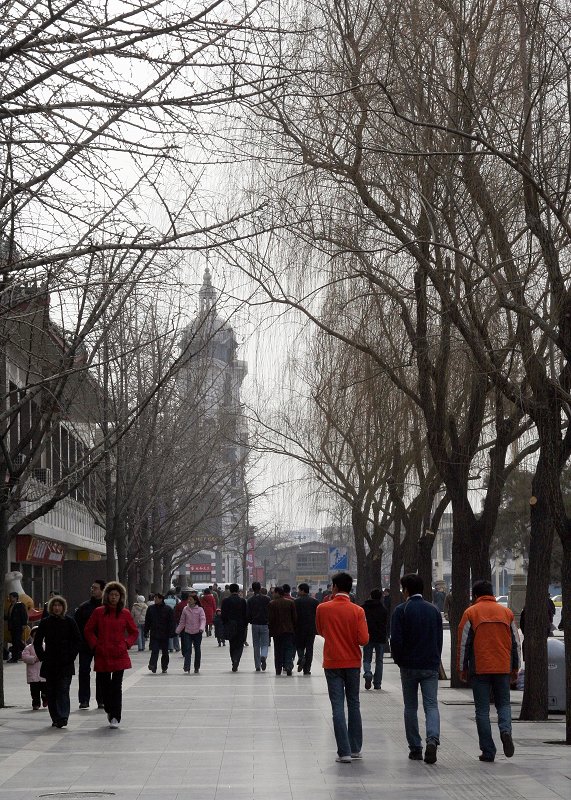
(192, 624)
(57, 644)
(110, 632)
(208, 603)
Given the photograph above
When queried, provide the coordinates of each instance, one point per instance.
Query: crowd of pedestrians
(102, 629)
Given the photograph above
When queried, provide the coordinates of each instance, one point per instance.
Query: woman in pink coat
(110, 631)
(191, 626)
(208, 602)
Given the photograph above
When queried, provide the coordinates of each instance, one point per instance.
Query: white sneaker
(113, 723)
(343, 759)
(357, 755)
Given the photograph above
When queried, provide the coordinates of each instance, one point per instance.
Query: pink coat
(33, 665)
(110, 635)
(208, 603)
(192, 620)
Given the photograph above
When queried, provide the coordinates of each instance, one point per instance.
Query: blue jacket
(416, 634)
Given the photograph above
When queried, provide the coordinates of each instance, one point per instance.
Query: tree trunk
(359, 525)
(460, 579)
(396, 566)
(425, 543)
(157, 585)
(480, 564)
(4, 544)
(566, 593)
(534, 703)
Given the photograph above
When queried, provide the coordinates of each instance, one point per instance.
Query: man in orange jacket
(344, 627)
(489, 656)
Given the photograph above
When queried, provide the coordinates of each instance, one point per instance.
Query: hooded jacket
(488, 639)
(208, 602)
(110, 632)
(33, 664)
(57, 643)
(139, 610)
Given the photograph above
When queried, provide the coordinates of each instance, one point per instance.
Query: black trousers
(284, 650)
(84, 679)
(109, 686)
(236, 647)
(304, 646)
(156, 646)
(17, 644)
(38, 692)
(57, 692)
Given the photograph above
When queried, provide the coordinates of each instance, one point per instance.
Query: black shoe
(263, 663)
(164, 671)
(219, 644)
(100, 705)
(36, 708)
(258, 669)
(61, 723)
(153, 669)
(278, 672)
(307, 672)
(84, 705)
(378, 688)
(489, 759)
(196, 671)
(430, 753)
(368, 682)
(415, 755)
(234, 667)
(289, 672)
(508, 744)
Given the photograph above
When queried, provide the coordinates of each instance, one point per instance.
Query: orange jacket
(344, 627)
(488, 639)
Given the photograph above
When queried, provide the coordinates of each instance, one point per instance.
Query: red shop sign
(39, 551)
(199, 567)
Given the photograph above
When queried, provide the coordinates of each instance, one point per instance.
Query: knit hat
(140, 598)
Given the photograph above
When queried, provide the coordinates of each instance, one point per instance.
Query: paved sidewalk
(226, 736)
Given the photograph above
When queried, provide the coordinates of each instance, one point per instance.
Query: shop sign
(39, 551)
(200, 568)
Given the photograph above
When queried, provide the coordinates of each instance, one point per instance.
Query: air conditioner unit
(43, 475)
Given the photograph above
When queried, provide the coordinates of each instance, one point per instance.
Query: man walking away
(416, 645)
(489, 656)
(159, 623)
(81, 615)
(17, 619)
(235, 619)
(282, 618)
(258, 618)
(344, 628)
(377, 617)
(306, 608)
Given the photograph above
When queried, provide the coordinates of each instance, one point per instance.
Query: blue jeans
(260, 642)
(427, 679)
(481, 687)
(141, 639)
(188, 640)
(378, 649)
(174, 644)
(343, 684)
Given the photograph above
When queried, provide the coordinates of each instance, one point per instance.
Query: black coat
(235, 616)
(57, 644)
(258, 609)
(159, 622)
(82, 614)
(305, 607)
(377, 618)
(17, 617)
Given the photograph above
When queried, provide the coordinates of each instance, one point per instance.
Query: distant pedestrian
(235, 618)
(110, 632)
(159, 624)
(139, 612)
(57, 643)
(219, 628)
(438, 598)
(224, 594)
(416, 645)
(171, 601)
(282, 618)
(191, 627)
(17, 619)
(387, 601)
(344, 628)
(81, 615)
(377, 618)
(488, 656)
(258, 605)
(305, 630)
(208, 603)
(35, 681)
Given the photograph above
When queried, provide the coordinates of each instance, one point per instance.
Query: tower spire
(207, 293)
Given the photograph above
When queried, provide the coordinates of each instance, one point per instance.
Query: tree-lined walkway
(225, 736)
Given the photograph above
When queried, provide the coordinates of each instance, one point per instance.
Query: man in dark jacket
(17, 619)
(235, 619)
(282, 618)
(377, 617)
(416, 645)
(82, 614)
(159, 623)
(258, 618)
(305, 607)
